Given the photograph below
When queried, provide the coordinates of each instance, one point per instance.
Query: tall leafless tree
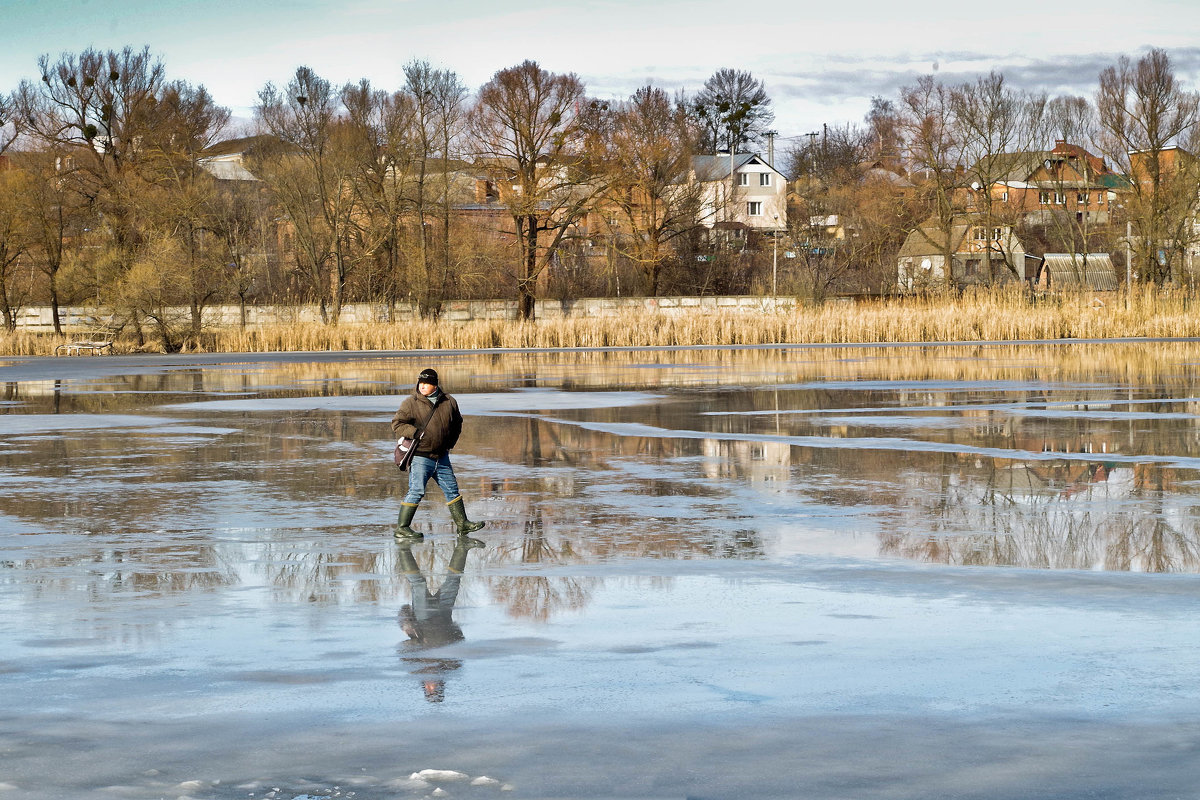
(128, 141)
(654, 204)
(527, 131)
(733, 109)
(439, 104)
(995, 122)
(14, 240)
(310, 174)
(380, 134)
(934, 148)
(1144, 112)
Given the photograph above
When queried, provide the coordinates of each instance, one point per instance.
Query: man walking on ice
(432, 417)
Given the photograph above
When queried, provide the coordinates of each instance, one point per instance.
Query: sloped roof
(1094, 271)
(1113, 180)
(1096, 164)
(1018, 166)
(224, 169)
(878, 172)
(930, 239)
(241, 145)
(716, 167)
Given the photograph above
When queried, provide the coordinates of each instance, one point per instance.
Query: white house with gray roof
(740, 191)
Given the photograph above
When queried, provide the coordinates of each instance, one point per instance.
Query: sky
(821, 62)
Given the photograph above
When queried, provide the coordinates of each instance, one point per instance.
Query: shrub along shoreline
(980, 316)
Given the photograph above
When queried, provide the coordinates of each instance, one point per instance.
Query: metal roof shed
(1078, 271)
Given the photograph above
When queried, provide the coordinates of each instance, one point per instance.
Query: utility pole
(1128, 258)
(732, 180)
(812, 148)
(775, 266)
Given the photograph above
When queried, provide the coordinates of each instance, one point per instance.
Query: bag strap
(421, 431)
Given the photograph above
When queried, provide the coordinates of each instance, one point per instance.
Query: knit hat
(428, 376)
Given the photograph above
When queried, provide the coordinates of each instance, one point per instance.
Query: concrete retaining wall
(39, 319)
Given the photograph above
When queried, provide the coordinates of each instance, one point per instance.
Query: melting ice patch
(959, 407)
(18, 424)
(872, 443)
(478, 403)
(942, 386)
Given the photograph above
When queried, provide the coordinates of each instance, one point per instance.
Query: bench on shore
(93, 341)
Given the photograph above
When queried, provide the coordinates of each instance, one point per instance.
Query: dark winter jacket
(443, 429)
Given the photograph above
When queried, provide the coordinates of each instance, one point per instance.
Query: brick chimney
(483, 188)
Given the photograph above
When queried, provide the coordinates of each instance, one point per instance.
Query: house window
(764, 179)
(1004, 197)
(997, 234)
(743, 179)
(1082, 198)
(981, 234)
(1044, 198)
(754, 208)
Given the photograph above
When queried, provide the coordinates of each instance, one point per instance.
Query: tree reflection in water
(537, 596)
(1055, 515)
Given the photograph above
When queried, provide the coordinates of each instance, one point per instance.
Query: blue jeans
(422, 469)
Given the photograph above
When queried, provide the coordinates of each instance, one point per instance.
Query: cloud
(847, 83)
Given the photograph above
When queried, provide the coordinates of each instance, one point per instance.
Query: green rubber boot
(403, 529)
(459, 513)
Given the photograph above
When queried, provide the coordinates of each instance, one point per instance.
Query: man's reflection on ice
(428, 620)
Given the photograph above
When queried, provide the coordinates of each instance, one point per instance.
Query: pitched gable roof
(1019, 167)
(930, 239)
(716, 167)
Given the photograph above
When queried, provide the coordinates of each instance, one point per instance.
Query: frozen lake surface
(877, 572)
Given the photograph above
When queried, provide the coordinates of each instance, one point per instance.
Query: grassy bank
(982, 316)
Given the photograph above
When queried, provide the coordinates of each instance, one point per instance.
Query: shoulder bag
(406, 448)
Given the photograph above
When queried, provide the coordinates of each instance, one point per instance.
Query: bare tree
(527, 133)
(883, 132)
(654, 204)
(995, 122)
(826, 172)
(10, 124)
(240, 219)
(439, 104)
(126, 140)
(1072, 119)
(56, 213)
(310, 174)
(935, 150)
(830, 156)
(183, 202)
(96, 108)
(1144, 113)
(380, 130)
(13, 243)
(733, 109)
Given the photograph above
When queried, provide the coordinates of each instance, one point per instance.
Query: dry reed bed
(982, 316)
